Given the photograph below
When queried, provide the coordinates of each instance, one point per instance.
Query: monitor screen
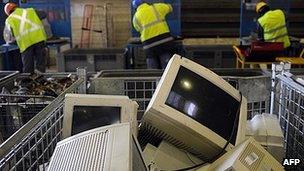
(204, 102)
(90, 117)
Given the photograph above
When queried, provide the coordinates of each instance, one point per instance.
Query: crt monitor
(83, 112)
(266, 130)
(195, 109)
(111, 147)
(247, 156)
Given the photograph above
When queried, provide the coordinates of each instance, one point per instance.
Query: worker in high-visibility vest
(150, 21)
(272, 25)
(25, 27)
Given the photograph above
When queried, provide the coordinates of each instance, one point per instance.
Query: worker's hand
(253, 35)
(6, 44)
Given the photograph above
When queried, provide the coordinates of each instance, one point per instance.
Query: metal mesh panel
(141, 91)
(287, 100)
(37, 147)
(254, 108)
(291, 111)
(32, 146)
(14, 115)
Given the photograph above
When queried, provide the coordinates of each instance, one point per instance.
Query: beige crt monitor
(195, 109)
(86, 111)
(167, 157)
(247, 156)
(106, 148)
(266, 130)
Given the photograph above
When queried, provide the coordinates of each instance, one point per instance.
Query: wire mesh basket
(17, 110)
(21, 100)
(31, 146)
(287, 103)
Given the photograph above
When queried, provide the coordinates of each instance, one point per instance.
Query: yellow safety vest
(274, 26)
(27, 27)
(150, 20)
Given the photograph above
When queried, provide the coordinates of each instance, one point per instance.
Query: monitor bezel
(158, 105)
(128, 111)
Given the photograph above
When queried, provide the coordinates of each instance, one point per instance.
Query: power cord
(224, 148)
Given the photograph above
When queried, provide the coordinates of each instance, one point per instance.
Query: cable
(224, 148)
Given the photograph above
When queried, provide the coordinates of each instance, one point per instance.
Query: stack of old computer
(194, 121)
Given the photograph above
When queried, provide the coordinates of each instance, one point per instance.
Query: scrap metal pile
(36, 85)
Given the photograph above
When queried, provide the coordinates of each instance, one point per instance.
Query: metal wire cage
(17, 110)
(287, 101)
(31, 147)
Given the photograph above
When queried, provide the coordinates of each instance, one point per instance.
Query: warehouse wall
(119, 27)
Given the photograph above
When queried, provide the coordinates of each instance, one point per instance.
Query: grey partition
(92, 59)
(211, 56)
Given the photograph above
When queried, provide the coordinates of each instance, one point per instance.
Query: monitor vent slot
(82, 152)
(252, 157)
(152, 135)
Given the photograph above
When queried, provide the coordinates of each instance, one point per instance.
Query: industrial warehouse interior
(152, 85)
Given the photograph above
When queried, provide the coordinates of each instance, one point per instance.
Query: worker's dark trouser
(34, 55)
(288, 51)
(159, 56)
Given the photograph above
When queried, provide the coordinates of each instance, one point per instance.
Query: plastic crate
(92, 59)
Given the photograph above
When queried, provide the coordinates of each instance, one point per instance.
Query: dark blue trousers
(159, 56)
(34, 56)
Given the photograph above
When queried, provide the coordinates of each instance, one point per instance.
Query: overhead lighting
(186, 84)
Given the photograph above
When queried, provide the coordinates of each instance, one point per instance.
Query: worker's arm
(260, 33)
(41, 14)
(136, 24)
(8, 34)
(163, 8)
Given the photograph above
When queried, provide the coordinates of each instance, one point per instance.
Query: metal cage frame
(287, 101)
(31, 147)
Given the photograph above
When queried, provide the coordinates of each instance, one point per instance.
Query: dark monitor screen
(206, 103)
(90, 117)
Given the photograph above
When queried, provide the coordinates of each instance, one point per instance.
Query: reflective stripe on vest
(157, 21)
(274, 26)
(276, 38)
(27, 27)
(274, 30)
(168, 39)
(23, 20)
